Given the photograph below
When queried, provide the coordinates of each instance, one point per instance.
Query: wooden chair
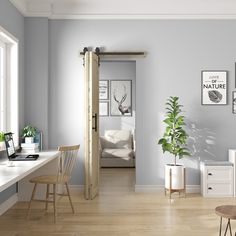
(68, 156)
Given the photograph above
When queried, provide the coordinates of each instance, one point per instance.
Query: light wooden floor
(119, 211)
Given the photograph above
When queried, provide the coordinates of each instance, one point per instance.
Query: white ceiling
(128, 9)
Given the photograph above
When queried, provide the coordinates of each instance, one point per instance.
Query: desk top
(10, 175)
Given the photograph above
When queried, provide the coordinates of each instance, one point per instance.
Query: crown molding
(20, 6)
(140, 17)
(123, 9)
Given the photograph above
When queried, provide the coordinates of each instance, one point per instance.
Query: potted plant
(29, 133)
(2, 141)
(174, 141)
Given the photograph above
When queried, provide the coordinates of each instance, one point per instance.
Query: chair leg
(68, 193)
(54, 202)
(31, 199)
(47, 196)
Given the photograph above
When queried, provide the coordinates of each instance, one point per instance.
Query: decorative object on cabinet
(234, 102)
(121, 98)
(103, 109)
(214, 88)
(217, 179)
(103, 89)
(174, 141)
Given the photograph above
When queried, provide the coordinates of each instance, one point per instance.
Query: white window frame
(11, 85)
(3, 87)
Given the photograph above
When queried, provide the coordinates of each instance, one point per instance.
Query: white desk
(22, 171)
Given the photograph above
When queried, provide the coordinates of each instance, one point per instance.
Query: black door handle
(209, 173)
(95, 127)
(210, 188)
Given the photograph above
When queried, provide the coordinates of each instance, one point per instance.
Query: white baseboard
(77, 188)
(144, 188)
(8, 203)
(160, 188)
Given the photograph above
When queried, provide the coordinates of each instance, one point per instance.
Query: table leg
(230, 230)
(220, 226)
(226, 229)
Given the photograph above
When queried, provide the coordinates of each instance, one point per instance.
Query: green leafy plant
(28, 131)
(175, 138)
(2, 138)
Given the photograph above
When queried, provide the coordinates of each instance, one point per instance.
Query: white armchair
(117, 149)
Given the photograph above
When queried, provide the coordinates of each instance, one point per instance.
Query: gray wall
(12, 21)
(36, 75)
(177, 52)
(118, 70)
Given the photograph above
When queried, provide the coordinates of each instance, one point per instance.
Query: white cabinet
(232, 159)
(217, 180)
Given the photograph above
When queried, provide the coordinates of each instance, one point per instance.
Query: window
(3, 59)
(9, 118)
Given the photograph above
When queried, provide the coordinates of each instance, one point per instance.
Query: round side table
(229, 212)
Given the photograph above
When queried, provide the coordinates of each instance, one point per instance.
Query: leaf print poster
(214, 87)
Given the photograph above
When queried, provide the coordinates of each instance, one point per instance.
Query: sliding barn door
(92, 125)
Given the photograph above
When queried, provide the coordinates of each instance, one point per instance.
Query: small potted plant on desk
(174, 141)
(2, 141)
(28, 133)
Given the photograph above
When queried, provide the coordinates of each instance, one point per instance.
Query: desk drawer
(219, 189)
(219, 174)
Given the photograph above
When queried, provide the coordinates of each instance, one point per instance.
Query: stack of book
(30, 147)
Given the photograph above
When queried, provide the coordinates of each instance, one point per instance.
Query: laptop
(11, 152)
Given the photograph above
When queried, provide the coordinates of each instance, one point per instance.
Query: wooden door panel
(92, 125)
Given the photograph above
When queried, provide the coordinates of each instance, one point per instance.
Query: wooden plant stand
(170, 190)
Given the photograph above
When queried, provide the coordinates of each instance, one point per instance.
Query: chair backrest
(68, 158)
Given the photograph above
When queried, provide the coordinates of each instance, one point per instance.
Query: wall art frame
(214, 87)
(103, 89)
(234, 102)
(104, 108)
(121, 97)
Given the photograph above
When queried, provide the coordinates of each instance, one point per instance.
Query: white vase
(177, 179)
(29, 139)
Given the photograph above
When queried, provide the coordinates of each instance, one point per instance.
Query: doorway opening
(117, 110)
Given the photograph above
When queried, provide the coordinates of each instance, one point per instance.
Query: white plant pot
(177, 173)
(29, 139)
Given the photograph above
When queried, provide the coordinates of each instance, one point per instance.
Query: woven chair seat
(49, 179)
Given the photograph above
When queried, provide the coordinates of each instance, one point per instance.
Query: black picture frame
(103, 89)
(118, 87)
(214, 87)
(234, 102)
(235, 74)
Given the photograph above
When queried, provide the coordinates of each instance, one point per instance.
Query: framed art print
(234, 102)
(103, 89)
(121, 98)
(214, 88)
(235, 73)
(103, 109)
